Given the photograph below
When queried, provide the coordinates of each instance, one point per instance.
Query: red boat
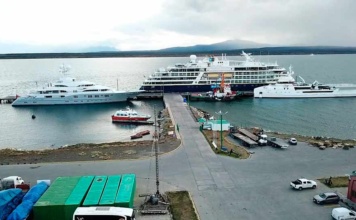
(140, 134)
(146, 132)
(129, 116)
(136, 136)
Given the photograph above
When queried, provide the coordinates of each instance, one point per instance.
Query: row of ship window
(89, 96)
(209, 82)
(63, 91)
(84, 85)
(213, 78)
(236, 68)
(236, 73)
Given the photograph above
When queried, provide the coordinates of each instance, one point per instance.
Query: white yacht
(287, 87)
(68, 91)
(200, 75)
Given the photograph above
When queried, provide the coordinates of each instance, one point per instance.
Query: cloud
(41, 25)
(320, 22)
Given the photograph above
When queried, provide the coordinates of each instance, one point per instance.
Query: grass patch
(181, 206)
(337, 181)
(240, 152)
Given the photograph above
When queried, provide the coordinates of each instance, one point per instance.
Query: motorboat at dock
(130, 116)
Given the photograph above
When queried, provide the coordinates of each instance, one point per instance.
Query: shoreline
(167, 142)
(139, 149)
(318, 141)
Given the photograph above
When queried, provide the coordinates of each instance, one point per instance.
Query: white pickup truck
(303, 184)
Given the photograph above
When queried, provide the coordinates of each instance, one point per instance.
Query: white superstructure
(287, 87)
(199, 75)
(68, 90)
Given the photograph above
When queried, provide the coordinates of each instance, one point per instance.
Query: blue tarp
(9, 199)
(31, 197)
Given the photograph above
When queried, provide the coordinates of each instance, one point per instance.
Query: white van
(11, 182)
(103, 213)
(343, 214)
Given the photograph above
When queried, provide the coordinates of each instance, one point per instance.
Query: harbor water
(56, 126)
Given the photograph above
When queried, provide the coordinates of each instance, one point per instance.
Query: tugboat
(130, 116)
(219, 93)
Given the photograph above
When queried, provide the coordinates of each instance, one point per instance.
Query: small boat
(219, 93)
(140, 134)
(145, 132)
(136, 136)
(129, 116)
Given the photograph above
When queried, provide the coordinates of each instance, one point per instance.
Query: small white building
(215, 125)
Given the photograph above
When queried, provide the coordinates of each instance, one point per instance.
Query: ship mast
(222, 84)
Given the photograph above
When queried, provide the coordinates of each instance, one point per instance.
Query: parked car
(326, 198)
(303, 184)
(293, 141)
(343, 214)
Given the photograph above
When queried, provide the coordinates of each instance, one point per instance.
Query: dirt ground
(93, 152)
(87, 152)
(181, 206)
(239, 152)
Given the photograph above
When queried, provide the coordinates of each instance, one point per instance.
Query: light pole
(221, 136)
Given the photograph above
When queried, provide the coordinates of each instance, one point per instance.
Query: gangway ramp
(248, 134)
(244, 139)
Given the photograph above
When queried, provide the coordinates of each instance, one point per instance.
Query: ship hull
(278, 93)
(77, 99)
(197, 88)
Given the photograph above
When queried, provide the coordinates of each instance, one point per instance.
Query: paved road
(222, 187)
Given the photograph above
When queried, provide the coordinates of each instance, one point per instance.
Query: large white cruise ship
(288, 87)
(201, 75)
(68, 90)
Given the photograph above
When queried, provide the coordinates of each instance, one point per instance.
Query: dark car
(326, 198)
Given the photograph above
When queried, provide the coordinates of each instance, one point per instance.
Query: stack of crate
(67, 193)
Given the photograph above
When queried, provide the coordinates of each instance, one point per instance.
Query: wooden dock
(8, 99)
(149, 96)
(248, 134)
(247, 141)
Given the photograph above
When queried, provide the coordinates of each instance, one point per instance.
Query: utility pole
(221, 130)
(156, 154)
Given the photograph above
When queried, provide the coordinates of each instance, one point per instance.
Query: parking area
(262, 182)
(258, 188)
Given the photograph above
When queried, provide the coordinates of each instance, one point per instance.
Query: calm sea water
(56, 126)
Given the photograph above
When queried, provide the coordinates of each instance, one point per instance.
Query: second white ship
(287, 87)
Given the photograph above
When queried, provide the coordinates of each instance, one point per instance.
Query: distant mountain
(222, 46)
(94, 49)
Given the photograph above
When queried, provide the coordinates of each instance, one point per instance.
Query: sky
(75, 25)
